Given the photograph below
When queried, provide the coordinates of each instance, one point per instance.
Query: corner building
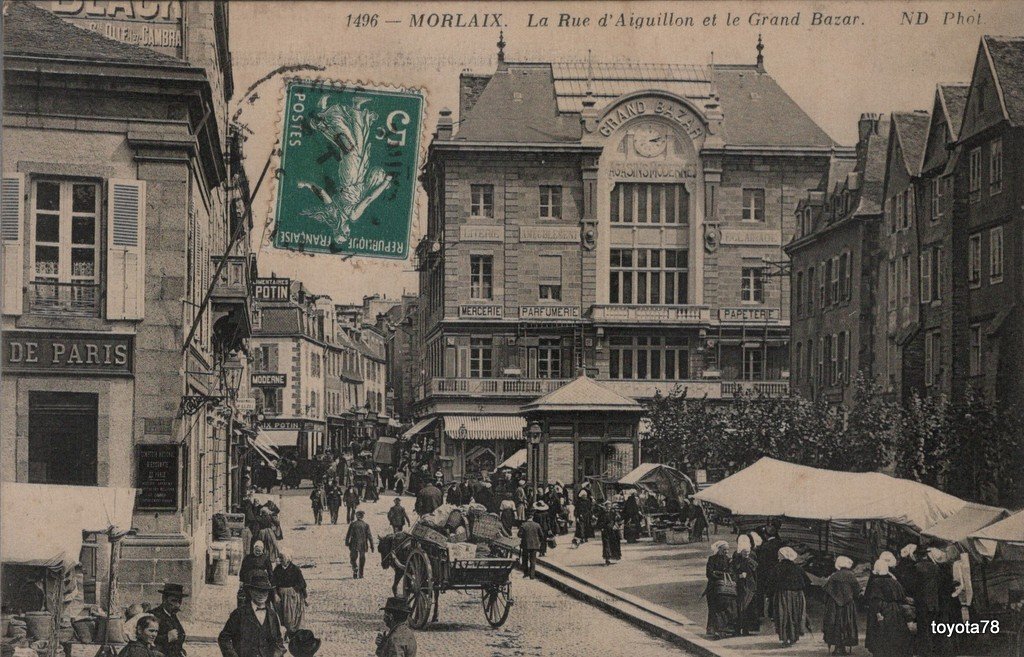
(622, 220)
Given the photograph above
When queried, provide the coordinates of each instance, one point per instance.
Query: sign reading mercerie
(348, 170)
(154, 24)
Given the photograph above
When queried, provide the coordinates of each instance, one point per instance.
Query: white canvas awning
(516, 460)
(287, 438)
(42, 524)
(777, 488)
(1005, 537)
(418, 427)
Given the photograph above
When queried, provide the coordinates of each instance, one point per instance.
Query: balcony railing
(506, 387)
(763, 388)
(626, 313)
(53, 298)
(234, 278)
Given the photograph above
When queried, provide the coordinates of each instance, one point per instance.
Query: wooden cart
(429, 573)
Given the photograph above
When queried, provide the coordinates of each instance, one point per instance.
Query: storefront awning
(418, 427)
(484, 427)
(516, 460)
(288, 438)
(264, 449)
(29, 534)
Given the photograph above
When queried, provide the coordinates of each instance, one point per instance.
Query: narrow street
(344, 612)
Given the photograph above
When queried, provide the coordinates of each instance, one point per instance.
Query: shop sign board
(749, 315)
(481, 311)
(271, 289)
(289, 424)
(68, 353)
(157, 477)
(549, 313)
(268, 380)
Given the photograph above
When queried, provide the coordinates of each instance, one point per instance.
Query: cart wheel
(417, 585)
(497, 603)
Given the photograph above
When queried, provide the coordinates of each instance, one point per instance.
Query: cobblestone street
(344, 612)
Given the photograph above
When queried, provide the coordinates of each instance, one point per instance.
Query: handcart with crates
(435, 566)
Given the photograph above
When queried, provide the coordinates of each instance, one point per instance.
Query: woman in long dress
(887, 632)
(790, 608)
(744, 572)
(291, 593)
(611, 534)
(267, 534)
(839, 623)
(720, 591)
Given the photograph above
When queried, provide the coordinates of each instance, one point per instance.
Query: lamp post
(533, 435)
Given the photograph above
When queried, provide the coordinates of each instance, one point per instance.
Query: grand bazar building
(623, 221)
(122, 192)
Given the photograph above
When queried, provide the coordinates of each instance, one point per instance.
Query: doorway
(591, 459)
(63, 438)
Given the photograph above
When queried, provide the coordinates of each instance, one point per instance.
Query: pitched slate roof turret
(583, 394)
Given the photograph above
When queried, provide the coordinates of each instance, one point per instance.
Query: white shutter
(126, 249)
(12, 234)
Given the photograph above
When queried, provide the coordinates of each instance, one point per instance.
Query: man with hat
(428, 498)
(531, 538)
(170, 640)
(520, 499)
(303, 644)
(398, 640)
(358, 538)
(253, 630)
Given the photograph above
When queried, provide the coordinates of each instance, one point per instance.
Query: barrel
(234, 560)
(115, 630)
(40, 625)
(219, 569)
(85, 629)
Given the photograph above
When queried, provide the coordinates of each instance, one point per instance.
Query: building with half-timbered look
(118, 201)
(622, 220)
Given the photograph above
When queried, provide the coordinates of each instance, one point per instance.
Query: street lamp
(232, 374)
(533, 434)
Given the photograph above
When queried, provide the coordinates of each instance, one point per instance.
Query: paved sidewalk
(671, 578)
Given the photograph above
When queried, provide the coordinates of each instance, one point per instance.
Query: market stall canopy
(971, 518)
(777, 488)
(1006, 538)
(658, 476)
(484, 427)
(516, 460)
(418, 427)
(29, 534)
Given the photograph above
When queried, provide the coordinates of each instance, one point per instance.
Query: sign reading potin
(348, 170)
(157, 477)
(271, 289)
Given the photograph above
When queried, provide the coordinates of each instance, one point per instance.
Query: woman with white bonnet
(887, 632)
(839, 623)
(721, 592)
(790, 597)
(744, 571)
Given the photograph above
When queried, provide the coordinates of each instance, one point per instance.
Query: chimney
(444, 125)
(760, 54)
(868, 125)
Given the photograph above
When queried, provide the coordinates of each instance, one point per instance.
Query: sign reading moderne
(68, 353)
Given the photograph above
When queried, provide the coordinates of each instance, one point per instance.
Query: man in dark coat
(399, 639)
(926, 601)
(531, 539)
(171, 638)
(398, 517)
(768, 563)
(253, 630)
(358, 539)
(428, 499)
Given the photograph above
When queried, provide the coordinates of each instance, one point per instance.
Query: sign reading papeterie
(745, 315)
(156, 477)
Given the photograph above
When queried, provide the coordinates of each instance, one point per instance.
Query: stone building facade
(623, 221)
(117, 203)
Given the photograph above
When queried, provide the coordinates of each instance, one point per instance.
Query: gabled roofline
(995, 79)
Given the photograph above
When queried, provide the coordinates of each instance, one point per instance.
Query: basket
(461, 551)
(425, 533)
(487, 527)
(455, 519)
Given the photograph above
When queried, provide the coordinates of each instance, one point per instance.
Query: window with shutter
(12, 216)
(126, 247)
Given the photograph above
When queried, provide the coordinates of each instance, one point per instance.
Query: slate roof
(279, 319)
(954, 99)
(541, 102)
(583, 394)
(912, 132)
(1007, 54)
(33, 31)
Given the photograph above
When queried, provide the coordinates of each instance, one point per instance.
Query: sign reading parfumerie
(348, 170)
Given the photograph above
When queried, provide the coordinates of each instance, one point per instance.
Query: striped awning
(484, 427)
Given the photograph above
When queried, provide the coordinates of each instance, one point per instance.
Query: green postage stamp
(348, 170)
